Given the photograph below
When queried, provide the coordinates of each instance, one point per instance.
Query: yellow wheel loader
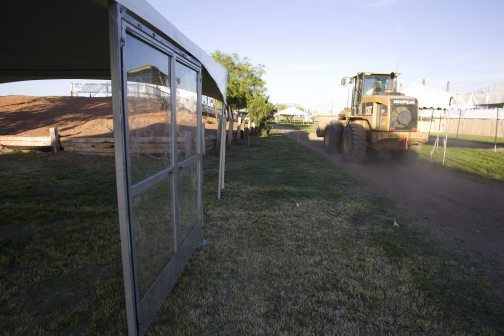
(380, 119)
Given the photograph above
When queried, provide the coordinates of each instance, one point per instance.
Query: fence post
(55, 141)
(458, 125)
(238, 128)
(496, 129)
(431, 117)
(230, 129)
(446, 135)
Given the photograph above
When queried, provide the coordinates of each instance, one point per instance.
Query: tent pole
(222, 152)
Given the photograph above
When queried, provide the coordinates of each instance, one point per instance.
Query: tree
(244, 79)
(281, 106)
(298, 106)
(261, 111)
(244, 82)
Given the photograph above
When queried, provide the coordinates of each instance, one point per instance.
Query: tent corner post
(222, 155)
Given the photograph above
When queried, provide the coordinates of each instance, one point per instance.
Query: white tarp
(463, 113)
(291, 111)
(490, 95)
(428, 97)
(34, 46)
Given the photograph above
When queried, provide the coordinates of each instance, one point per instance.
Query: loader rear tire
(333, 137)
(329, 140)
(338, 133)
(354, 143)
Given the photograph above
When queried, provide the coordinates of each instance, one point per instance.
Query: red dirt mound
(73, 116)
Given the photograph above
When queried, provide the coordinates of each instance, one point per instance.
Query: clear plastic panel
(188, 191)
(149, 112)
(154, 240)
(187, 120)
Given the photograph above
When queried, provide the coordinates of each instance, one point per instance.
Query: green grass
(301, 127)
(60, 260)
(295, 247)
(482, 162)
(473, 138)
(476, 138)
(298, 247)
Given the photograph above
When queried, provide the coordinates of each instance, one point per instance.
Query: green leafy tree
(261, 112)
(281, 106)
(298, 106)
(244, 79)
(244, 82)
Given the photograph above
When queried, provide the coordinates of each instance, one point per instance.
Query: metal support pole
(222, 157)
(431, 117)
(119, 96)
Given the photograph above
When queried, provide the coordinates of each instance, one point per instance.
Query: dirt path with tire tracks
(465, 211)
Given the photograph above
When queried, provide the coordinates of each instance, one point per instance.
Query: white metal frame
(142, 310)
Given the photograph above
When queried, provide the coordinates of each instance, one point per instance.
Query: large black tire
(329, 140)
(338, 134)
(354, 143)
(333, 137)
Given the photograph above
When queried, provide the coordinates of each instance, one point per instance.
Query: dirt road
(464, 210)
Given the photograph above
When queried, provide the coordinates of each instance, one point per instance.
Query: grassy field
(301, 248)
(60, 251)
(301, 127)
(473, 138)
(482, 162)
(476, 138)
(294, 248)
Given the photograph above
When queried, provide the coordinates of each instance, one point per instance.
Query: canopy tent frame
(37, 48)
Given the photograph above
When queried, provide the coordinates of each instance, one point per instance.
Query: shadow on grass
(60, 250)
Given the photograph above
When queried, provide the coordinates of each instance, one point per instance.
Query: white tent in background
(428, 97)
(490, 96)
(294, 113)
(291, 111)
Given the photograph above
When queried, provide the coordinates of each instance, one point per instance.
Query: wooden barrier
(91, 146)
(147, 145)
(103, 146)
(38, 142)
(12, 141)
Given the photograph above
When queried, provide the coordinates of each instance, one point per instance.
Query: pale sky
(308, 45)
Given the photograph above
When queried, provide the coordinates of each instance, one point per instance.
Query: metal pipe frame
(142, 310)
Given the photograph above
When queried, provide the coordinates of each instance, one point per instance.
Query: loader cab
(367, 84)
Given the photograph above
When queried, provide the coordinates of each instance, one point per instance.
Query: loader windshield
(376, 84)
